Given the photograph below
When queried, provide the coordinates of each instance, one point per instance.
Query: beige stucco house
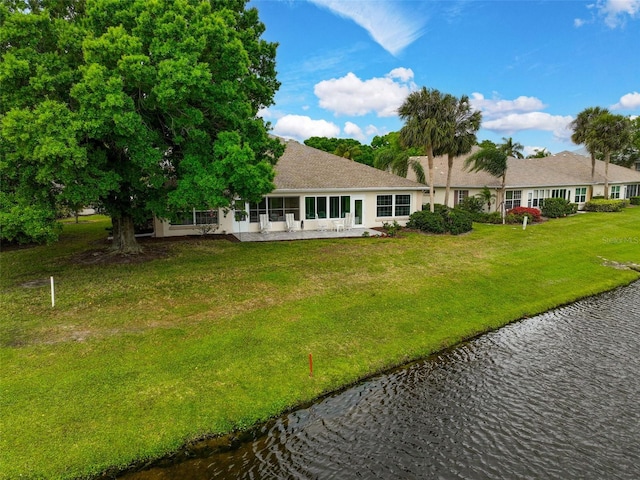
(566, 175)
(320, 191)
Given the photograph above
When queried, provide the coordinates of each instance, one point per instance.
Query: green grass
(135, 360)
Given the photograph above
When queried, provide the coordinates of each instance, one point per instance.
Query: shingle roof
(562, 169)
(306, 168)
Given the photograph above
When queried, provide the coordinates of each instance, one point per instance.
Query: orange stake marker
(310, 365)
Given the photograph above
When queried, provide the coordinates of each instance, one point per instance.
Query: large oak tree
(139, 107)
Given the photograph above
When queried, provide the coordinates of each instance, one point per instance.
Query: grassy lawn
(137, 359)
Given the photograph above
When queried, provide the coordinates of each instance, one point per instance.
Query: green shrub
(391, 229)
(493, 217)
(512, 218)
(597, 197)
(459, 221)
(442, 220)
(473, 205)
(557, 207)
(635, 200)
(21, 224)
(438, 208)
(605, 205)
(427, 222)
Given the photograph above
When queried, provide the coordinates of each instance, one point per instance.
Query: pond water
(556, 396)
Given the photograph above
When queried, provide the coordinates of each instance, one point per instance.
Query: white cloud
(265, 113)
(514, 122)
(350, 95)
(531, 150)
(388, 24)
(301, 127)
(497, 107)
(402, 74)
(372, 131)
(354, 131)
(615, 12)
(630, 101)
(578, 22)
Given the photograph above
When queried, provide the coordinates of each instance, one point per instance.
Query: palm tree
(493, 161)
(486, 196)
(391, 156)
(347, 150)
(539, 153)
(512, 149)
(462, 125)
(582, 129)
(425, 114)
(608, 134)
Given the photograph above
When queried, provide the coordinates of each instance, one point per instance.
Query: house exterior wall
(530, 196)
(363, 203)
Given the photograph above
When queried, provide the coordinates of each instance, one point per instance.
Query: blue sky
(530, 66)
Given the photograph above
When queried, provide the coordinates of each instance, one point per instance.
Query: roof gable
(305, 168)
(562, 169)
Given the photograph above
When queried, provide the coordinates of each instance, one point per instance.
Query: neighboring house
(637, 166)
(318, 188)
(528, 181)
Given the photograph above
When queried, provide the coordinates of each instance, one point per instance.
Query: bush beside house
(558, 207)
(599, 205)
(442, 220)
(517, 214)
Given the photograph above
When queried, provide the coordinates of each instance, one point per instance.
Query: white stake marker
(53, 294)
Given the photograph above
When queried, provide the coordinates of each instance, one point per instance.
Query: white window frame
(382, 208)
(563, 193)
(276, 213)
(580, 195)
(399, 206)
(396, 206)
(197, 216)
(459, 196)
(516, 197)
(615, 192)
(340, 204)
(536, 197)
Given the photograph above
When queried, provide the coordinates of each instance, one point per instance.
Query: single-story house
(528, 181)
(317, 190)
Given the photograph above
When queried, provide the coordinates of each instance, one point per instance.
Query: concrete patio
(304, 235)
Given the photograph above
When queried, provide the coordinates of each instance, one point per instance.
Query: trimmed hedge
(493, 217)
(605, 205)
(557, 207)
(442, 220)
(427, 221)
(635, 200)
(459, 222)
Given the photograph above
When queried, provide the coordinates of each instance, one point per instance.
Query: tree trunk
(593, 167)
(431, 192)
(502, 194)
(449, 167)
(124, 239)
(607, 157)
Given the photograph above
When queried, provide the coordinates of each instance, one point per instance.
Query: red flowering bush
(517, 214)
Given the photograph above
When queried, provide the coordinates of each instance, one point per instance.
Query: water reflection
(556, 396)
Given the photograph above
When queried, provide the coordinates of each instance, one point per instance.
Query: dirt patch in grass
(103, 256)
(152, 249)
